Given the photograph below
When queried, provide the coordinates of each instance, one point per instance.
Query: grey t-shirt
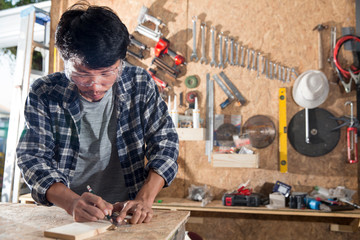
(98, 163)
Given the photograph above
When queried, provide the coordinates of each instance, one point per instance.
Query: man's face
(92, 83)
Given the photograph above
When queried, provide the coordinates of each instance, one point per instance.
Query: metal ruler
(282, 131)
(209, 117)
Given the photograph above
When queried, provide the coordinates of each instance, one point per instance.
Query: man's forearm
(61, 196)
(152, 186)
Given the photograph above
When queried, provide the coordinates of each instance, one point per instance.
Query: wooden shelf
(191, 134)
(217, 206)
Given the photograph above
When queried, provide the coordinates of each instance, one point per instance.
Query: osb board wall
(283, 32)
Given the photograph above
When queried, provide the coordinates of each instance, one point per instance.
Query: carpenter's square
(226, 91)
(209, 117)
(233, 88)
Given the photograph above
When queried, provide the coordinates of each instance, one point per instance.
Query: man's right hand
(85, 208)
(90, 207)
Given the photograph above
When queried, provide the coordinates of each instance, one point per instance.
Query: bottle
(196, 115)
(175, 114)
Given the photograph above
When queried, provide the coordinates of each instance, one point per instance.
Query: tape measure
(191, 81)
(282, 131)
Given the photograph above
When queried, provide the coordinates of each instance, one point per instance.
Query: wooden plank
(78, 231)
(191, 134)
(236, 160)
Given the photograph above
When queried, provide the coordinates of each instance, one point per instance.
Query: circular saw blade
(322, 138)
(224, 134)
(261, 131)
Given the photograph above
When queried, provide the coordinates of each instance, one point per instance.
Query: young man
(95, 123)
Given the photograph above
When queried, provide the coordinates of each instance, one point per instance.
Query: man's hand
(85, 208)
(90, 207)
(141, 212)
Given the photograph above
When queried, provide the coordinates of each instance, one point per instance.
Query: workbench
(216, 206)
(29, 221)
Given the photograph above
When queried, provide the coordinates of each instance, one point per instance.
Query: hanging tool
(140, 45)
(319, 28)
(162, 48)
(237, 93)
(157, 80)
(282, 131)
(226, 91)
(351, 134)
(213, 61)
(191, 81)
(172, 72)
(153, 34)
(194, 54)
(203, 58)
(221, 64)
(209, 117)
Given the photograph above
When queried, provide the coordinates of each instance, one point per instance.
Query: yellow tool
(282, 131)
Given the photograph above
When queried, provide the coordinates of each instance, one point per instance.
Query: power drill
(162, 48)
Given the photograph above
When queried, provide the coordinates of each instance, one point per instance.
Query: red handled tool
(162, 47)
(351, 134)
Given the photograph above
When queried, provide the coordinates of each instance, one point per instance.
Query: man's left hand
(141, 212)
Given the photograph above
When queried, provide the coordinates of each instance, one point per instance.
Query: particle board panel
(29, 221)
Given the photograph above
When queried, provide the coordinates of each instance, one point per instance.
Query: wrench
(288, 74)
(248, 58)
(213, 62)
(237, 53)
(266, 68)
(203, 58)
(279, 72)
(226, 40)
(221, 64)
(271, 69)
(258, 64)
(231, 51)
(242, 48)
(263, 64)
(275, 70)
(283, 73)
(193, 54)
(253, 60)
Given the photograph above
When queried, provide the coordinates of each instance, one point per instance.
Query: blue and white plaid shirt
(48, 150)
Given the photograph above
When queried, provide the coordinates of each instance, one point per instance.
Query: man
(95, 123)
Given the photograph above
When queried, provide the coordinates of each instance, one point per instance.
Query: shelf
(191, 134)
(217, 206)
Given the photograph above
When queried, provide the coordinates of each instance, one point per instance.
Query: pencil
(91, 191)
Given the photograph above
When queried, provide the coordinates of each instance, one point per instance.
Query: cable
(338, 45)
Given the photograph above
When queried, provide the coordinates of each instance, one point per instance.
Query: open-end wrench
(231, 51)
(248, 58)
(271, 70)
(275, 70)
(279, 72)
(253, 54)
(237, 53)
(258, 64)
(288, 71)
(213, 61)
(266, 68)
(263, 64)
(203, 58)
(194, 54)
(283, 73)
(221, 64)
(242, 48)
(226, 40)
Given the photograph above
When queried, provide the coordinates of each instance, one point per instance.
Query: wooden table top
(29, 221)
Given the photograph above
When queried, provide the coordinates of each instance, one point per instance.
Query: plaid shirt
(48, 150)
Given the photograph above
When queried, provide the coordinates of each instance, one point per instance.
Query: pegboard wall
(282, 31)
